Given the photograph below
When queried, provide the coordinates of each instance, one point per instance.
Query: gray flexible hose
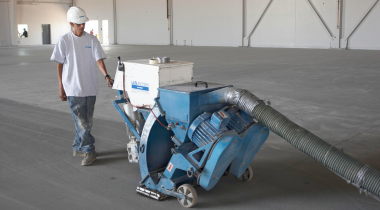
(361, 175)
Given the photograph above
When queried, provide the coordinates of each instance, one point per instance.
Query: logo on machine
(170, 167)
(222, 114)
(140, 86)
(87, 47)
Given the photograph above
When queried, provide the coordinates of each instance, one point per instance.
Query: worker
(76, 54)
(25, 34)
(92, 32)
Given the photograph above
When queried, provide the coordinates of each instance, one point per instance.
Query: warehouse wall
(290, 23)
(293, 23)
(367, 36)
(99, 10)
(287, 23)
(5, 39)
(142, 22)
(195, 22)
(53, 14)
(207, 23)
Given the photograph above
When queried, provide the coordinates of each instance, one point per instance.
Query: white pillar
(338, 24)
(100, 30)
(13, 22)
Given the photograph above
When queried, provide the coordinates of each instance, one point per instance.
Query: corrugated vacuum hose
(361, 175)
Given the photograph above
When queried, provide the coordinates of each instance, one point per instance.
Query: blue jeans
(82, 110)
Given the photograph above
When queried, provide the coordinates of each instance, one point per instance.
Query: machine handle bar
(201, 82)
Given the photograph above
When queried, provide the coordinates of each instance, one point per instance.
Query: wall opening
(92, 28)
(46, 34)
(23, 31)
(105, 32)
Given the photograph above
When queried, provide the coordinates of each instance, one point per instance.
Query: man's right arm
(62, 93)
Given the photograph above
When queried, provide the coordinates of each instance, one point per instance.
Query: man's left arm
(103, 69)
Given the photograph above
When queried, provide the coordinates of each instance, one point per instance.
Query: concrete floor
(332, 93)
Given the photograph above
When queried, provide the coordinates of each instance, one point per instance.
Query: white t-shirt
(78, 56)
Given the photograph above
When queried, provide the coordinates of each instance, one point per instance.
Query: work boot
(89, 158)
(78, 153)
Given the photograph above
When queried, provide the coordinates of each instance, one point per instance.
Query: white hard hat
(76, 15)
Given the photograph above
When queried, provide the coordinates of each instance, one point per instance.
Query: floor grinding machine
(185, 133)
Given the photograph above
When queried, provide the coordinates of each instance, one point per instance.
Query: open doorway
(105, 31)
(92, 28)
(46, 34)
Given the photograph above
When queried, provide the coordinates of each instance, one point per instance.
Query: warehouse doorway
(105, 32)
(46, 39)
(92, 28)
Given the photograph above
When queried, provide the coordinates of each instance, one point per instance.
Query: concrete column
(13, 22)
(170, 22)
(114, 22)
(338, 26)
(100, 30)
(244, 17)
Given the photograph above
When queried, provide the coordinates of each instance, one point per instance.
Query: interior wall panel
(253, 11)
(328, 10)
(309, 29)
(352, 13)
(291, 23)
(367, 35)
(142, 22)
(182, 22)
(278, 26)
(207, 23)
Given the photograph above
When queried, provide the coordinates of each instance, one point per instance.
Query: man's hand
(102, 68)
(109, 81)
(62, 93)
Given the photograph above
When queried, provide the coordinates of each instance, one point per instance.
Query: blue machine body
(181, 104)
(253, 139)
(205, 139)
(223, 153)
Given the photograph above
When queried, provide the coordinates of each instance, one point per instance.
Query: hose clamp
(324, 159)
(361, 174)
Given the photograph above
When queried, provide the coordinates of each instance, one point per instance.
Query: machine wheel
(191, 195)
(247, 175)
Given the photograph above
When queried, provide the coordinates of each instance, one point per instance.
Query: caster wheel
(191, 195)
(247, 175)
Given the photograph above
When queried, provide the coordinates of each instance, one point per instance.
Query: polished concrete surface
(333, 93)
